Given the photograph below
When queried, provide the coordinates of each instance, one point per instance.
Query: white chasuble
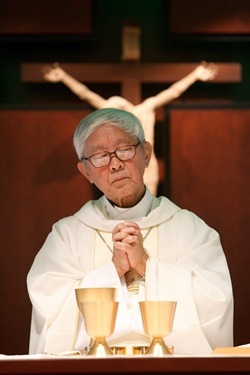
(186, 264)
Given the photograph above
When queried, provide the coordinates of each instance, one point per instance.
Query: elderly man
(146, 247)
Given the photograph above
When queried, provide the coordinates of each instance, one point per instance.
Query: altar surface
(141, 364)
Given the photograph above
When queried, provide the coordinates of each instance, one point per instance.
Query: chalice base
(100, 348)
(158, 348)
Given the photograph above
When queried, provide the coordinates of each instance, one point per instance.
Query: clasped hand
(128, 251)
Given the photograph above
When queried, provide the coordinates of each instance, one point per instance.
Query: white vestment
(186, 264)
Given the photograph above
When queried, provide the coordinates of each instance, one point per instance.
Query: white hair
(112, 116)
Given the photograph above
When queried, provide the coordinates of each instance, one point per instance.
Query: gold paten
(136, 350)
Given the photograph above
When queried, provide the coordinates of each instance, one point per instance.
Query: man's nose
(115, 163)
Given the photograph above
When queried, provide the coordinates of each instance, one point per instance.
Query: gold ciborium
(158, 319)
(99, 309)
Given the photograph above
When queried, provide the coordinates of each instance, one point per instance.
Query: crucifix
(131, 75)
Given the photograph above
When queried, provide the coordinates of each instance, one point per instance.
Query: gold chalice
(158, 319)
(99, 309)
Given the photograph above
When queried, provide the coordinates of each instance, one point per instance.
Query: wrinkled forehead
(105, 137)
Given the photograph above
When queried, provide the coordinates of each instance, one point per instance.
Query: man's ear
(148, 152)
(82, 169)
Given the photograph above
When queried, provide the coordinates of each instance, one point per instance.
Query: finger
(130, 231)
(131, 224)
(126, 228)
(123, 234)
(121, 246)
(127, 224)
(130, 239)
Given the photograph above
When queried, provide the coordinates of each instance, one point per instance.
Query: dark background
(201, 139)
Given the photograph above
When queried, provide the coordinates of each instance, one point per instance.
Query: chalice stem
(158, 347)
(100, 348)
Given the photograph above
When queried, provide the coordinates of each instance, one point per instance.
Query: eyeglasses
(101, 159)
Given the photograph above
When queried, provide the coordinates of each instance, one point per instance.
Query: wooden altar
(128, 365)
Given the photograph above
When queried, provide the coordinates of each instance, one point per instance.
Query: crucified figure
(145, 111)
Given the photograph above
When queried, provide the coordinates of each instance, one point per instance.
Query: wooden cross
(130, 74)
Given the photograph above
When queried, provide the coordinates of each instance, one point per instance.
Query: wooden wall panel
(210, 17)
(38, 17)
(210, 175)
(39, 184)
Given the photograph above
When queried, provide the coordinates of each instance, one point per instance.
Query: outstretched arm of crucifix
(55, 73)
(203, 72)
